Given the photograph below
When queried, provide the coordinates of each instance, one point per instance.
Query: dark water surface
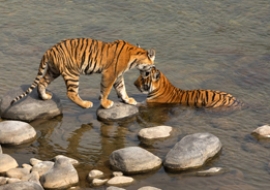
(209, 44)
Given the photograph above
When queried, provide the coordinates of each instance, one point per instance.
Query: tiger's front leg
(120, 88)
(106, 85)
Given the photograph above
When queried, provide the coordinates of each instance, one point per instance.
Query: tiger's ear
(151, 54)
(156, 75)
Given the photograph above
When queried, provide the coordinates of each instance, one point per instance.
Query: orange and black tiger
(73, 57)
(160, 90)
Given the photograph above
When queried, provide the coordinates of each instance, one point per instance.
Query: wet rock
(114, 188)
(117, 174)
(134, 160)
(147, 135)
(18, 173)
(16, 132)
(192, 151)
(117, 111)
(148, 188)
(98, 182)
(210, 171)
(61, 175)
(120, 180)
(71, 160)
(7, 163)
(263, 131)
(30, 107)
(42, 167)
(21, 186)
(95, 174)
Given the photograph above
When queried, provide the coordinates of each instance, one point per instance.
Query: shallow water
(219, 45)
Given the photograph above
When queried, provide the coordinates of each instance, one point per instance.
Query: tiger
(73, 57)
(160, 90)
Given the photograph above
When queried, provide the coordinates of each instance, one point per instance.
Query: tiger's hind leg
(72, 84)
(44, 82)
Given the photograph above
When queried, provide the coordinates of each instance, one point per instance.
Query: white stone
(13, 180)
(16, 132)
(263, 131)
(42, 167)
(95, 174)
(155, 132)
(18, 173)
(3, 180)
(120, 180)
(27, 166)
(117, 174)
(34, 161)
(148, 188)
(98, 182)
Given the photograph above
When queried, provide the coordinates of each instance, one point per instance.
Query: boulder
(29, 108)
(7, 163)
(134, 160)
(16, 132)
(192, 151)
(117, 112)
(61, 175)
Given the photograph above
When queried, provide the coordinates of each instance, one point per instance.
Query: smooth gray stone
(134, 160)
(192, 151)
(16, 132)
(117, 111)
(24, 185)
(29, 108)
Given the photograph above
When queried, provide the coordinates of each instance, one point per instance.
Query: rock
(95, 174)
(42, 167)
(30, 107)
(27, 166)
(192, 151)
(117, 174)
(34, 161)
(147, 135)
(3, 180)
(61, 175)
(210, 171)
(98, 182)
(16, 132)
(21, 186)
(148, 188)
(134, 160)
(18, 173)
(7, 163)
(263, 131)
(120, 180)
(71, 160)
(114, 188)
(13, 180)
(1, 151)
(117, 111)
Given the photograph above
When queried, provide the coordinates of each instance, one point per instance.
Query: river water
(208, 44)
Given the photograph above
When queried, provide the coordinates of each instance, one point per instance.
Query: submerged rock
(192, 151)
(117, 111)
(30, 107)
(134, 160)
(16, 132)
(263, 131)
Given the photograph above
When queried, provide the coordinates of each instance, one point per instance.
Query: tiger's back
(160, 90)
(73, 57)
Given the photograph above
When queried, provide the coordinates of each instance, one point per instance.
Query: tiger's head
(142, 59)
(148, 81)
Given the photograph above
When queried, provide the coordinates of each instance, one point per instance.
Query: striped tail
(41, 72)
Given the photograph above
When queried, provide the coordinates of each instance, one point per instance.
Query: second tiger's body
(160, 90)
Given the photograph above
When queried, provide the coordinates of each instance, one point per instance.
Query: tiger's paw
(86, 104)
(46, 96)
(131, 101)
(105, 103)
